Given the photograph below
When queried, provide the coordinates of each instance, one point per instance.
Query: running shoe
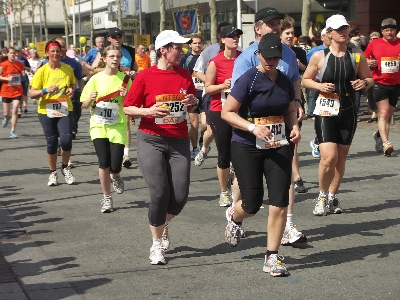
(225, 199)
(334, 205)
(14, 136)
(107, 204)
(195, 152)
(73, 135)
(273, 265)
(232, 231)
(200, 157)
(59, 150)
(228, 217)
(165, 242)
(387, 148)
(53, 179)
(315, 149)
(231, 169)
(69, 178)
(4, 122)
(118, 183)
(292, 236)
(34, 101)
(126, 162)
(19, 115)
(299, 186)
(378, 142)
(319, 209)
(70, 165)
(25, 110)
(157, 255)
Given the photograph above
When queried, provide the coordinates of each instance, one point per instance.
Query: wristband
(251, 127)
(44, 92)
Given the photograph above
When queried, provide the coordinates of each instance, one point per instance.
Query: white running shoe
(157, 255)
(200, 157)
(107, 204)
(53, 179)
(118, 183)
(273, 265)
(69, 178)
(291, 235)
(225, 199)
(319, 209)
(232, 230)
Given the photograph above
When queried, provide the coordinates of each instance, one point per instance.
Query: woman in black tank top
(336, 118)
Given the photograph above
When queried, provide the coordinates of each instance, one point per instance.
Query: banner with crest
(186, 21)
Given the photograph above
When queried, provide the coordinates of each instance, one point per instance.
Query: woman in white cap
(162, 96)
(336, 108)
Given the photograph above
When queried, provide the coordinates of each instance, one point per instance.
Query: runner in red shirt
(162, 96)
(11, 72)
(383, 56)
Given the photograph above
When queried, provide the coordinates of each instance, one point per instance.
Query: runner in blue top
(268, 20)
(259, 107)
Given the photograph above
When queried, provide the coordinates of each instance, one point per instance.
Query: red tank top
(224, 68)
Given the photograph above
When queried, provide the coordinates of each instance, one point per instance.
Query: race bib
(276, 125)
(15, 80)
(106, 113)
(198, 84)
(327, 105)
(57, 108)
(389, 65)
(224, 96)
(177, 111)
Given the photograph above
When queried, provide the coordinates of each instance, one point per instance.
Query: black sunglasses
(233, 35)
(117, 36)
(342, 28)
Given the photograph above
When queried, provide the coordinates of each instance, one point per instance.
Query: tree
(119, 14)
(65, 23)
(214, 21)
(43, 4)
(305, 17)
(162, 15)
(33, 22)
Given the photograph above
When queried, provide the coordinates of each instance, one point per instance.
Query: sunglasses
(118, 36)
(233, 35)
(344, 27)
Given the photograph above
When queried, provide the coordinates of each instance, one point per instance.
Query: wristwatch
(366, 82)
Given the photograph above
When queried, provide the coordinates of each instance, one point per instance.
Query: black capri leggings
(55, 128)
(165, 165)
(110, 155)
(223, 134)
(251, 164)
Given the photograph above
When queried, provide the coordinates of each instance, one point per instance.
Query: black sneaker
(299, 186)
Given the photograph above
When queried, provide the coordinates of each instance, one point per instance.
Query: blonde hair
(110, 48)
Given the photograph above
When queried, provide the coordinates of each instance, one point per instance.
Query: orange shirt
(142, 62)
(10, 68)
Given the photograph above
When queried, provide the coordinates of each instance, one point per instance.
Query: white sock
(126, 151)
(289, 219)
(323, 194)
(331, 196)
(157, 242)
(204, 149)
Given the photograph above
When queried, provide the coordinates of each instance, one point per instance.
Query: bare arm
(211, 75)
(200, 75)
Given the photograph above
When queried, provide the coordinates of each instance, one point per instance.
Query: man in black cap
(128, 65)
(268, 20)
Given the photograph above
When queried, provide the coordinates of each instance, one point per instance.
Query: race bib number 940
(177, 111)
(327, 105)
(276, 125)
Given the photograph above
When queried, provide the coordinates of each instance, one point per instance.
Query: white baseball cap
(336, 21)
(323, 32)
(169, 36)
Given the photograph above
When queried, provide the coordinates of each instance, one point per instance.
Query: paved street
(55, 243)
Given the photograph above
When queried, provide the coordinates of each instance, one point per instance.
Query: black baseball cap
(227, 30)
(114, 31)
(267, 14)
(270, 46)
